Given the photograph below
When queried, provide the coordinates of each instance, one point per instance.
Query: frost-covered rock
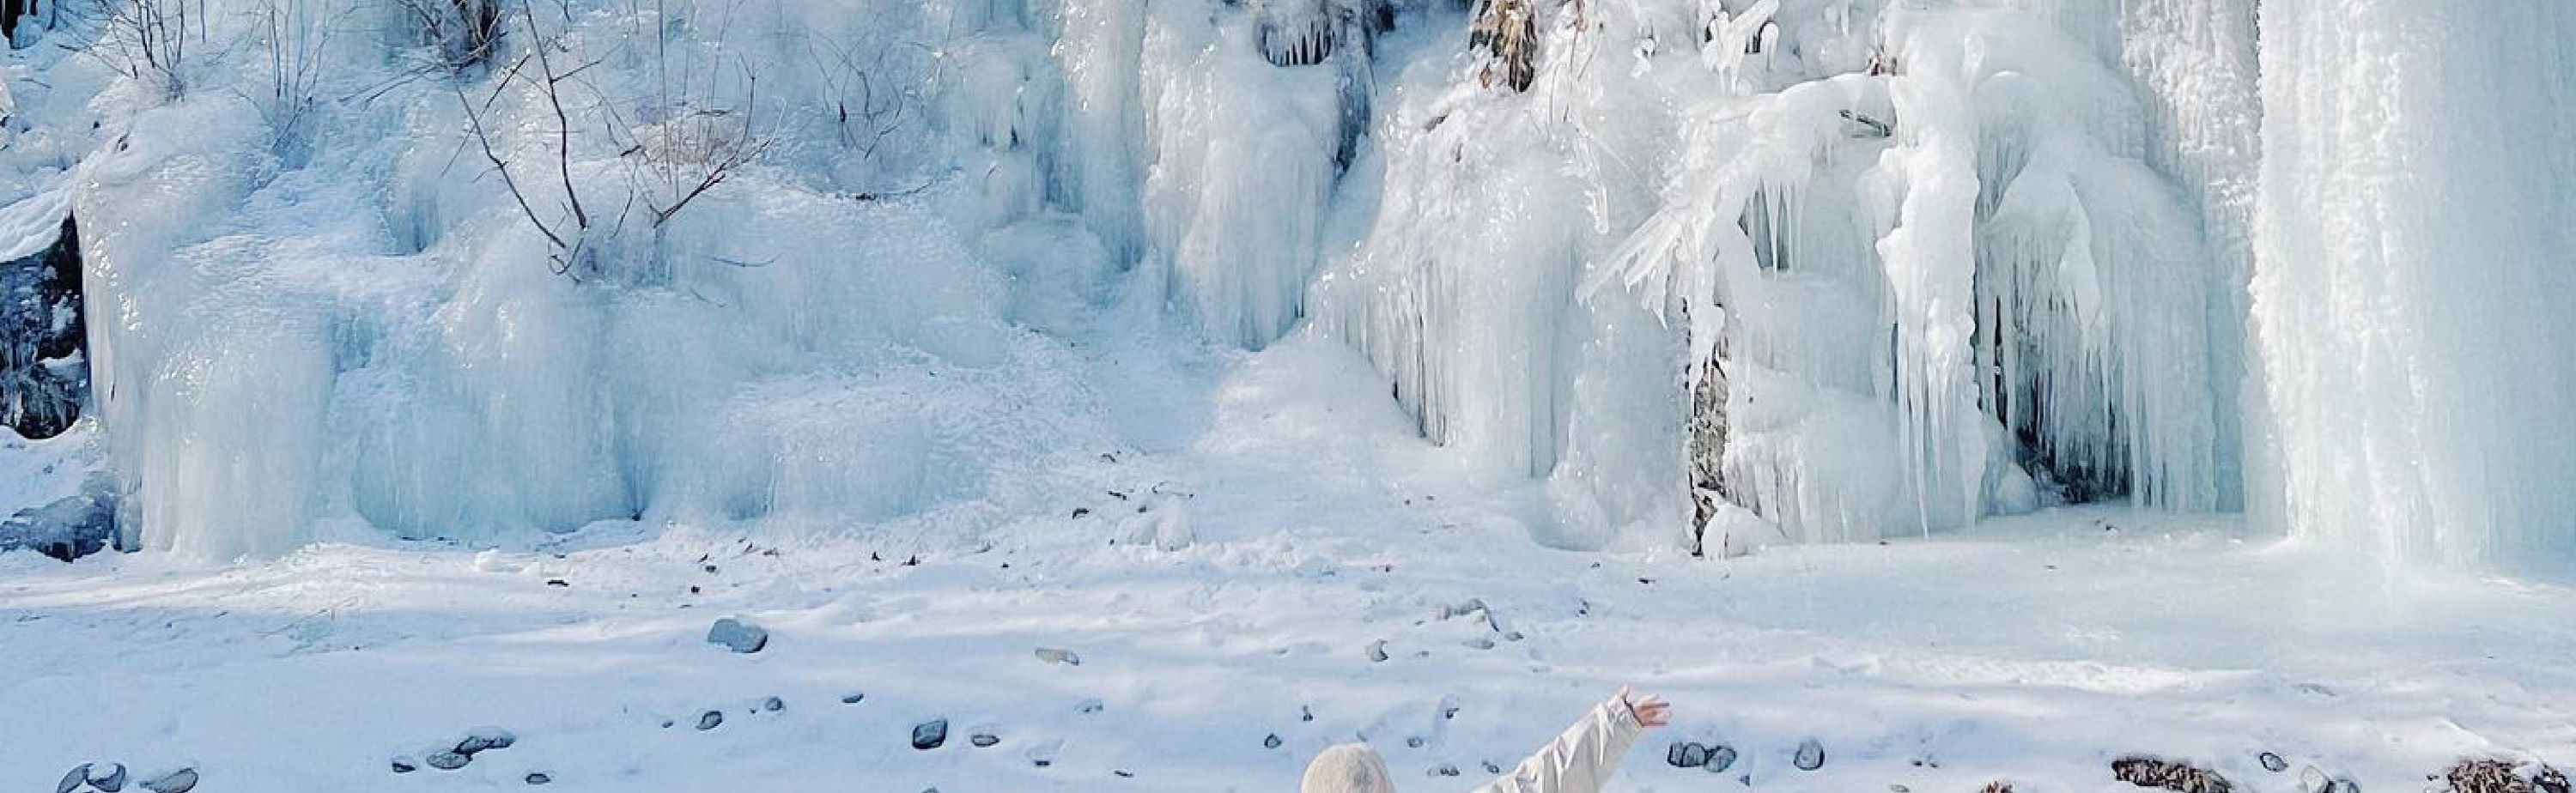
(1811, 755)
(738, 635)
(180, 781)
(930, 734)
(1055, 655)
(109, 779)
(480, 739)
(68, 528)
(447, 761)
(710, 720)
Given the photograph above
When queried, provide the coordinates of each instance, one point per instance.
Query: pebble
(405, 765)
(446, 761)
(1088, 706)
(852, 698)
(1377, 651)
(930, 734)
(1686, 754)
(537, 778)
(1811, 755)
(1720, 758)
(773, 704)
(1305, 713)
(180, 781)
(1414, 742)
(710, 719)
(1444, 769)
(1271, 742)
(738, 636)
(73, 779)
(482, 738)
(984, 737)
(2273, 762)
(109, 781)
(1493, 768)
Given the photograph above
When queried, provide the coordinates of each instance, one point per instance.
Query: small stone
(537, 778)
(1444, 769)
(985, 737)
(1088, 707)
(2549, 780)
(1720, 758)
(1043, 754)
(405, 765)
(1414, 742)
(1899, 789)
(2181, 777)
(1685, 754)
(446, 761)
(180, 781)
(1377, 651)
(110, 780)
(73, 779)
(482, 738)
(853, 698)
(1271, 742)
(773, 704)
(2272, 762)
(738, 636)
(930, 734)
(1811, 755)
(710, 719)
(1123, 773)
(1492, 767)
(1305, 713)
(1997, 786)
(1059, 656)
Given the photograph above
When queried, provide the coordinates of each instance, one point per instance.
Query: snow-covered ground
(2032, 649)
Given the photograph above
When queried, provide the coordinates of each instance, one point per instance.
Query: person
(1578, 761)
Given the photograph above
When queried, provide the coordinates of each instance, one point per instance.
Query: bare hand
(1650, 710)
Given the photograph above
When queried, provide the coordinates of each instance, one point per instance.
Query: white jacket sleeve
(1580, 760)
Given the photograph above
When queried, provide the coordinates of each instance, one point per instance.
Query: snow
(2033, 649)
(1983, 389)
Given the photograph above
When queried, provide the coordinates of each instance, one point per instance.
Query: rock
(1444, 769)
(73, 779)
(1088, 707)
(180, 781)
(1043, 755)
(108, 780)
(537, 778)
(738, 636)
(984, 736)
(1377, 651)
(1899, 789)
(2486, 775)
(1720, 758)
(2313, 780)
(930, 734)
(710, 719)
(853, 698)
(1811, 755)
(1414, 742)
(1685, 754)
(1492, 767)
(68, 528)
(1305, 713)
(2144, 771)
(773, 704)
(405, 765)
(446, 761)
(1997, 786)
(2272, 762)
(2549, 780)
(482, 738)
(1058, 656)
(1271, 742)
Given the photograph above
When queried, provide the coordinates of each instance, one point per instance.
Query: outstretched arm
(1583, 758)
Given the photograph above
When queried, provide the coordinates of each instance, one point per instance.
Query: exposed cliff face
(44, 373)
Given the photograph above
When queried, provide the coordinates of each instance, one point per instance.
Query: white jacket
(1578, 761)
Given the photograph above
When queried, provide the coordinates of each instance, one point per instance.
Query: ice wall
(2413, 270)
